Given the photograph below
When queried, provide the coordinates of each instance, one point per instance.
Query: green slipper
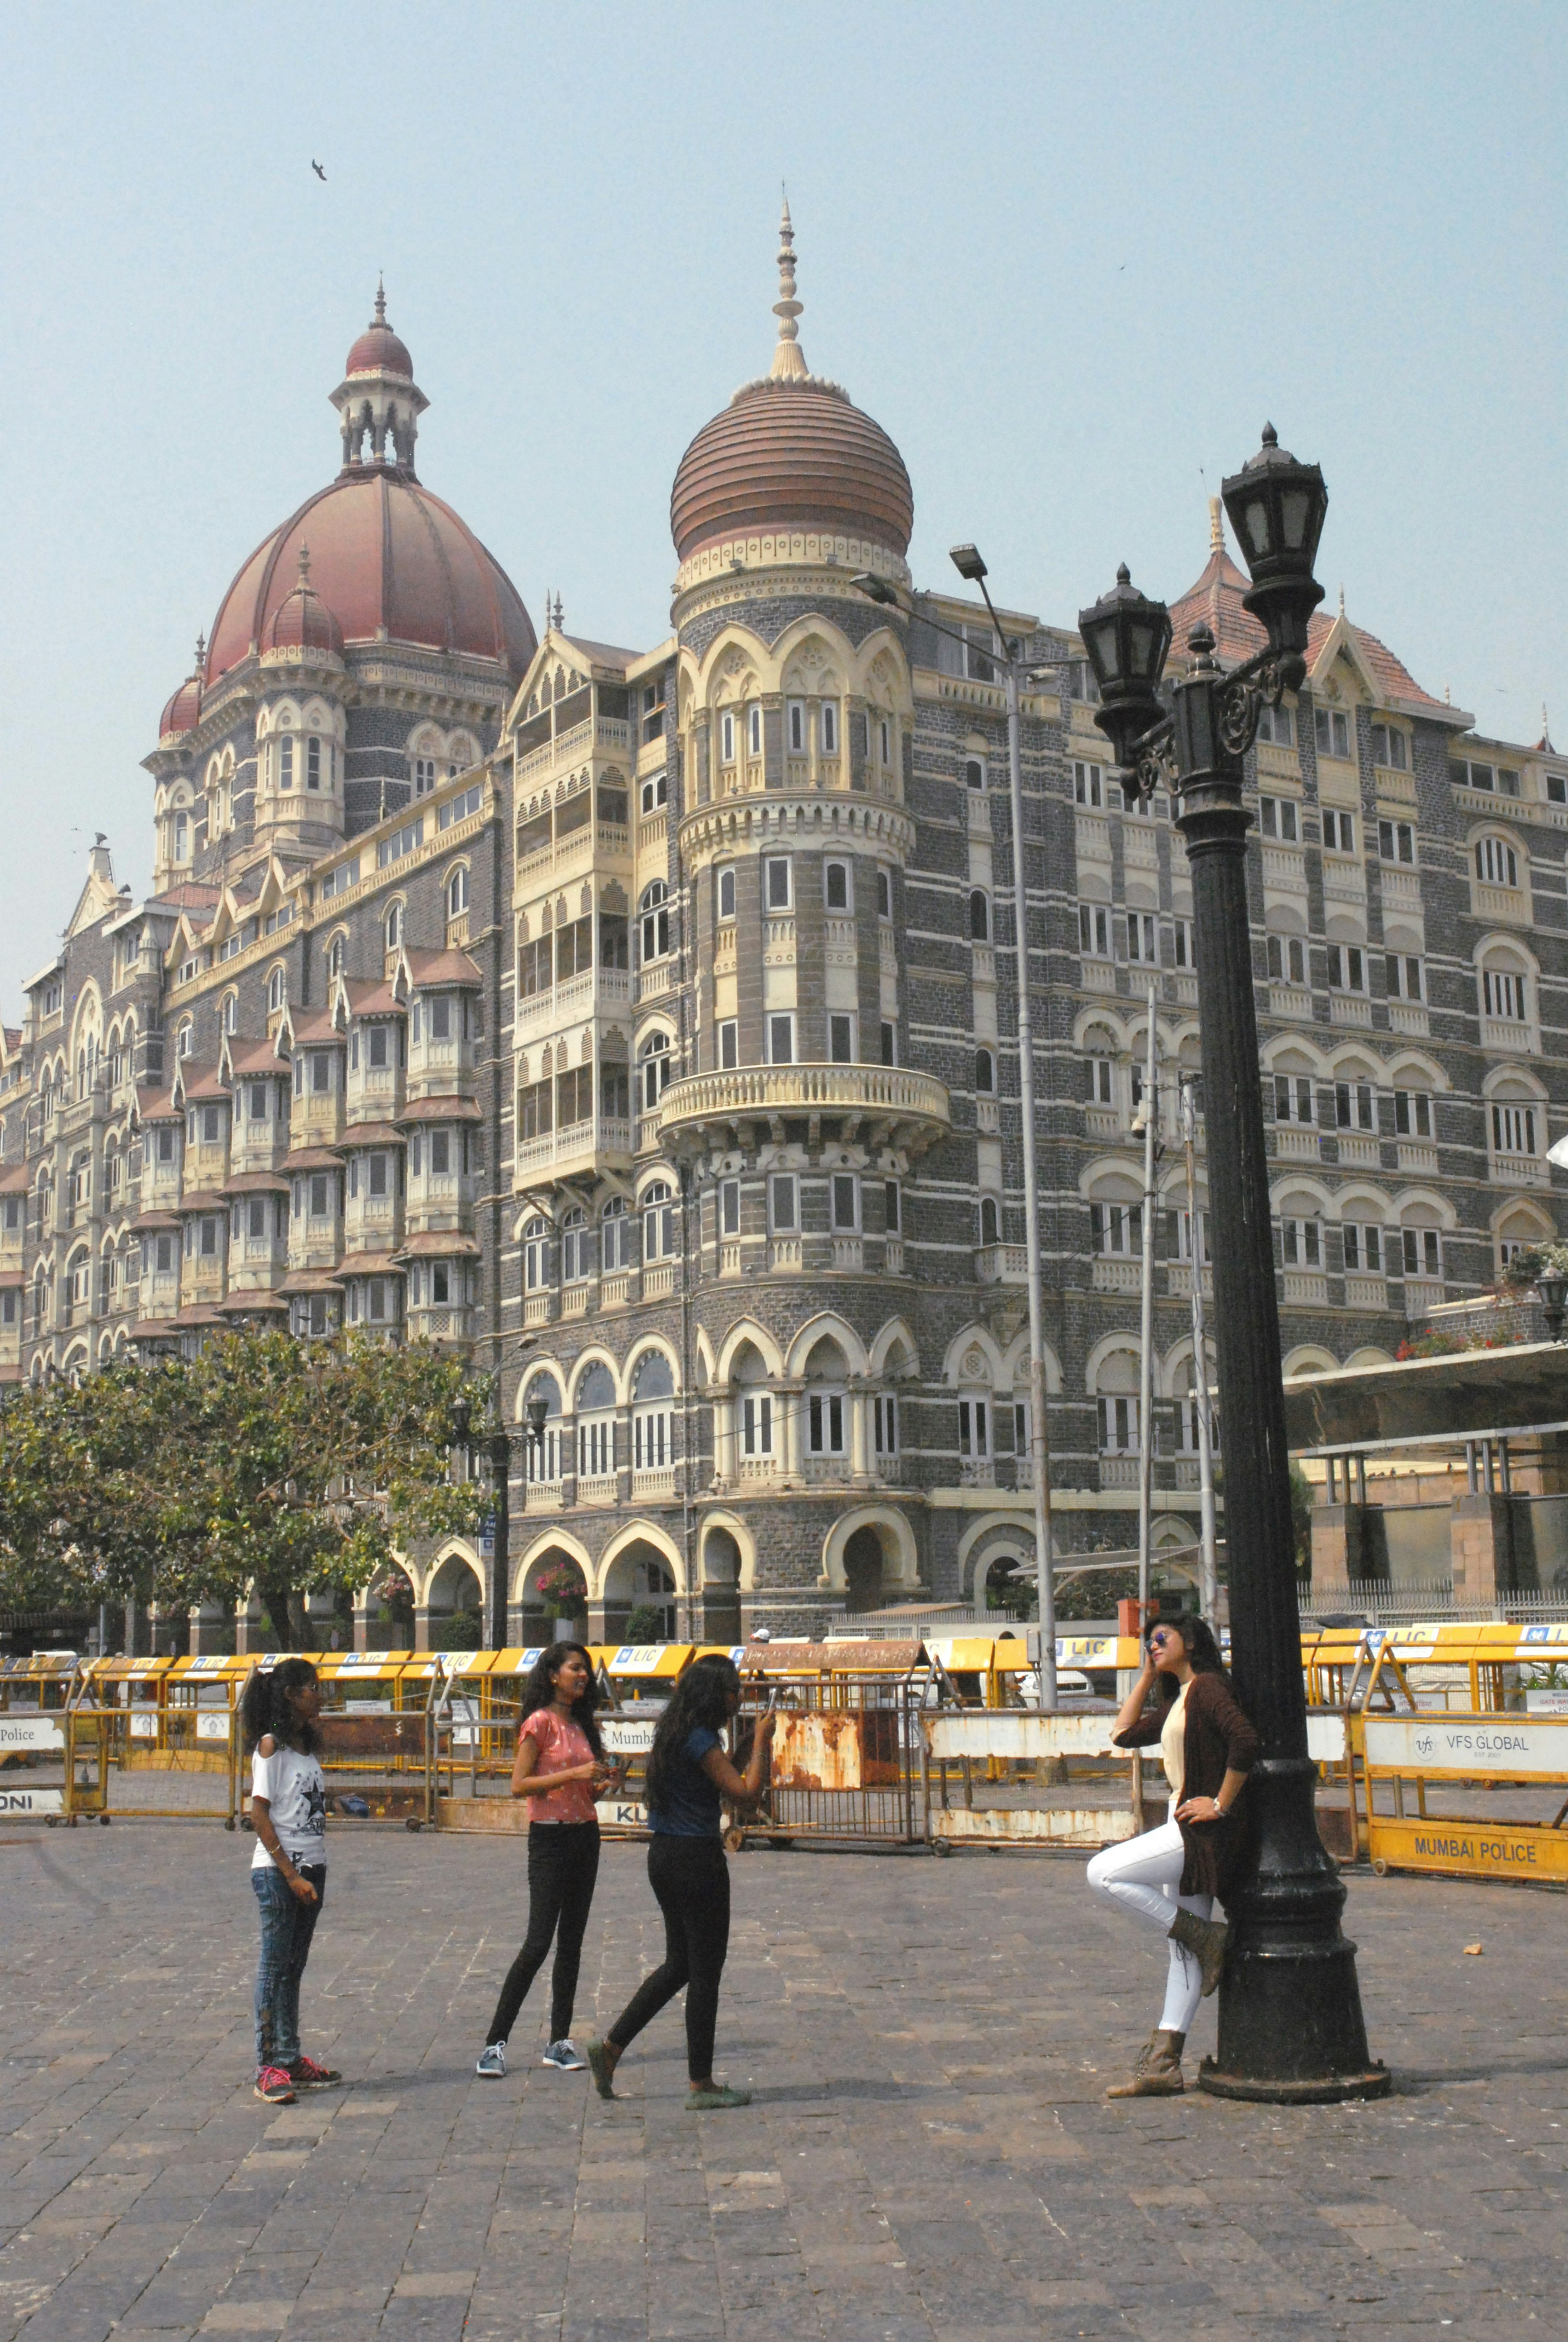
(600, 2067)
(704, 2102)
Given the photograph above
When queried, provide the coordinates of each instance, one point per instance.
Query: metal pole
(1151, 1111)
(501, 1558)
(1039, 1445)
(1196, 1249)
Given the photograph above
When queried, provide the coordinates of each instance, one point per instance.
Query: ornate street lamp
(1291, 2024)
(1552, 1288)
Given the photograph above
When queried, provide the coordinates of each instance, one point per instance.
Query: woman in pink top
(560, 1768)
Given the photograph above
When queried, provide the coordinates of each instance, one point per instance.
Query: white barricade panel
(627, 1735)
(1016, 1733)
(31, 1801)
(1474, 1744)
(31, 1732)
(1325, 1740)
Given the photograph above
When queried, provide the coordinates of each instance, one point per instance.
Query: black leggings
(563, 1864)
(691, 1878)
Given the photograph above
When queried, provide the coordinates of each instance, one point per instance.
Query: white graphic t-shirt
(294, 1790)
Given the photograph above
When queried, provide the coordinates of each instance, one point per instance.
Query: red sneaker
(309, 2076)
(275, 2085)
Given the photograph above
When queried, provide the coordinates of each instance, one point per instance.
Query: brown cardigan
(1219, 1740)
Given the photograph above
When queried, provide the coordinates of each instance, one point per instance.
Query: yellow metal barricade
(1448, 1759)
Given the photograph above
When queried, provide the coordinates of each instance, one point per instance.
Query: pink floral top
(562, 1743)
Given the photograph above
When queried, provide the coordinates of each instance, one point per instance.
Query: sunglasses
(1158, 1640)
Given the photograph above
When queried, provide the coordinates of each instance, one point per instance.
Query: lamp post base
(1375, 2083)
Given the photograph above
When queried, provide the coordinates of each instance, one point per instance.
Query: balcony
(907, 1111)
(1103, 1121)
(1409, 1016)
(847, 1253)
(581, 1148)
(1179, 1280)
(893, 1256)
(1520, 1171)
(658, 1279)
(1001, 1264)
(987, 1115)
(784, 1254)
(1510, 904)
(1112, 1275)
(1348, 1008)
(1364, 1292)
(1305, 1289)
(602, 1490)
(1418, 1158)
(1290, 1000)
(653, 1487)
(1294, 1146)
(1118, 1471)
(597, 991)
(1360, 1149)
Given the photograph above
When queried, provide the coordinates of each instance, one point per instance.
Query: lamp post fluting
(1290, 2020)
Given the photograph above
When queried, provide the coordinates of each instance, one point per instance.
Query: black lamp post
(1552, 1288)
(1291, 2024)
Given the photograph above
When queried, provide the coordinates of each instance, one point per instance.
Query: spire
(1342, 601)
(1217, 525)
(380, 318)
(1544, 743)
(201, 667)
(789, 360)
(302, 580)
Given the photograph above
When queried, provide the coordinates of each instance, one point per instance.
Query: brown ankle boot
(1206, 1940)
(1158, 2072)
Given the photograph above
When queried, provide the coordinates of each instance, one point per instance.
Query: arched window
(231, 1012)
(979, 915)
(336, 954)
(543, 1456)
(457, 891)
(1505, 992)
(424, 775)
(829, 727)
(182, 838)
(654, 913)
(727, 737)
(183, 1044)
(536, 1254)
(595, 1412)
(276, 989)
(286, 763)
(393, 927)
(615, 1229)
(577, 1246)
(654, 1054)
(990, 1221)
(652, 1428)
(658, 1222)
(1496, 863)
(985, 1073)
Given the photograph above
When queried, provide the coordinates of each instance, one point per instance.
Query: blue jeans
(287, 1924)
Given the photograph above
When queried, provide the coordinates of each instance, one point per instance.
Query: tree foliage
(263, 1463)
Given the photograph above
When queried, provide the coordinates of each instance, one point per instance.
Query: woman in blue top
(688, 1775)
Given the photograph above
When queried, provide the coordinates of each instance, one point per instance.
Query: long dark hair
(1202, 1649)
(701, 1698)
(266, 1706)
(539, 1691)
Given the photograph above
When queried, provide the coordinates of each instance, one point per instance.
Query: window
(337, 881)
(1503, 992)
(1412, 1114)
(1390, 747)
(1143, 938)
(1396, 841)
(1332, 726)
(758, 1424)
(754, 730)
(536, 1254)
(1095, 930)
(1182, 1224)
(256, 1220)
(1499, 780)
(1279, 818)
(653, 909)
(614, 1250)
(1300, 1243)
(1089, 786)
(1354, 1105)
(835, 886)
(796, 720)
(829, 727)
(1496, 863)
(312, 765)
(459, 807)
(654, 792)
(182, 841)
(1274, 724)
(1294, 1099)
(885, 1422)
(655, 1058)
(1364, 1246)
(846, 1189)
(1403, 972)
(1287, 959)
(889, 1042)
(575, 1247)
(658, 1222)
(424, 775)
(729, 1045)
(1338, 831)
(825, 1423)
(1182, 943)
(1513, 1129)
(891, 1207)
(990, 1221)
(321, 1185)
(535, 1113)
(781, 1040)
(729, 1207)
(166, 1146)
(777, 893)
(441, 1163)
(727, 736)
(393, 929)
(884, 892)
(985, 1073)
(653, 1427)
(457, 891)
(402, 842)
(1116, 1227)
(1422, 1252)
(1557, 789)
(979, 915)
(973, 1427)
(841, 1040)
(727, 891)
(1101, 1082)
(1346, 968)
(884, 740)
(286, 763)
(973, 772)
(784, 1203)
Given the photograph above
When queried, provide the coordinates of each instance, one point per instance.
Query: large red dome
(790, 453)
(392, 563)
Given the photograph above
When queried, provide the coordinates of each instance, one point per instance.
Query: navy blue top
(691, 1805)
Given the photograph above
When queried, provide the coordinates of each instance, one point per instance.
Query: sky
(1070, 259)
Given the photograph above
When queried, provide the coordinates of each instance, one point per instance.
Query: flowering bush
(562, 1590)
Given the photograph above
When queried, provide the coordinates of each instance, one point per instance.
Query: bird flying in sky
(320, 174)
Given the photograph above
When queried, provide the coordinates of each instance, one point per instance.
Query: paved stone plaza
(928, 2154)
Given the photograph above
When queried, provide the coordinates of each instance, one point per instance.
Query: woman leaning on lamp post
(1169, 1877)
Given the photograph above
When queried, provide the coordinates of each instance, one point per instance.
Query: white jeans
(1142, 1875)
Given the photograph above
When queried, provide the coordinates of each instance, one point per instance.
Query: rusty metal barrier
(1071, 1751)
(1460, 1757)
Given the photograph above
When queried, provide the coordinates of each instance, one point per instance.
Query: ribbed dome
(378, 349)
(183, 713)
(791, 451)
(302, 623)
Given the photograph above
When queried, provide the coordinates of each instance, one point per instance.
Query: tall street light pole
(1149, 1114)
(1291, 2024)
(969, 566)
(1196, 1253)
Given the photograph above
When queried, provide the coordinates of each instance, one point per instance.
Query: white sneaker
(565, 2057)
(492, 2063)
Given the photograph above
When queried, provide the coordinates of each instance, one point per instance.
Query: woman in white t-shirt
(288, 1870)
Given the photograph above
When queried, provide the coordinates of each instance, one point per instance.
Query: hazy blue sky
(1071, 258)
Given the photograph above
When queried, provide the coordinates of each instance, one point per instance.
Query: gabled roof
(427, 968)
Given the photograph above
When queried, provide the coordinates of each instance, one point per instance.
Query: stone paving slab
(929, 2158)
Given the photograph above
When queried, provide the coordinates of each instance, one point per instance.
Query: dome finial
(304, 579)
(789, 362)
(202, 664)
(1216, 527)
(380, 299)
